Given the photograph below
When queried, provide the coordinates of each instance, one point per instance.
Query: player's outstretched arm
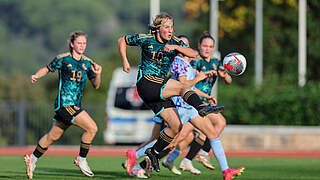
(123, 53)
(184, 50)
(39, 74)
(96, 81)
(211, 99)
(224, 75)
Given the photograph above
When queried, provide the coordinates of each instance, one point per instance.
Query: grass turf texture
(62, 167)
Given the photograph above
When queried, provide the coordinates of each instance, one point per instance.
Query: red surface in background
(121, 150)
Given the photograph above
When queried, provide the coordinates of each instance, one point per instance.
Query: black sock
(206, 146)
(195, 146)
(39, 151)
(163, 141)
(143, 164)
(192, 98)
(84, 149)
(162, 154)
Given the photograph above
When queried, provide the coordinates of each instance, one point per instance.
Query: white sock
(202, 152)
(33, 158)
(186, 160)
(81, 158)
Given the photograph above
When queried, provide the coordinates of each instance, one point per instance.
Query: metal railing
(23, 123)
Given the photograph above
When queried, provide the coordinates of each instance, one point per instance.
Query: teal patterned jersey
(201, 65)
(72, 78)
(154, 60)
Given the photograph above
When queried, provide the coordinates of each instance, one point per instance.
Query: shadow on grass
(78, 174)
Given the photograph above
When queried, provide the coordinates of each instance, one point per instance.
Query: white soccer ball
(234, 63)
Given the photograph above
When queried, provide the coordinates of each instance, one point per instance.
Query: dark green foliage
(282, 105)
(32, 32)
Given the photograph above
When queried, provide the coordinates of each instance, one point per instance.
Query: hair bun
(206, 32)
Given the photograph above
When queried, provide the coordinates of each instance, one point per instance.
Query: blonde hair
(157, 22)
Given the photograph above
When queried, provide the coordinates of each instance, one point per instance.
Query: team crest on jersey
(69, 65)
(203, 68)
(150, 47)
(214, 66)
(84, 67)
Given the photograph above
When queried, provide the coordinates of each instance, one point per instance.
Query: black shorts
(67, 114)
(149, 88)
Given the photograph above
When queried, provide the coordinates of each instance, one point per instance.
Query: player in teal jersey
(158, 50)
(74, 68)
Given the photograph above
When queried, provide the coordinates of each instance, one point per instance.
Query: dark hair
(205, 35)
(74, 36)
(183, 36)
(156, 23)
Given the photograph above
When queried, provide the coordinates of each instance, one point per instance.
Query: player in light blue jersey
(158, 50)
(74, 69)
(205, 62)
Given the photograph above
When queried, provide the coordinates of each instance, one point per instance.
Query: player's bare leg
(203, 157)
(84, 121)
(171, 117)
(54, 134)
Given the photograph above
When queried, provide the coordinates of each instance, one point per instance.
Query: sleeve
(56, 63)
(178, 68)
(196, 65)
(181, 43)
(91, 74)
(193, 64)
(133, 40)
(218, 64)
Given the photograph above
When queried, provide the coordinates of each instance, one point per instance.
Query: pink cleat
(30, 165)
(230, 173)
(131, 160)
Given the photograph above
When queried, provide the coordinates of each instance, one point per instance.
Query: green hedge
(281, 105)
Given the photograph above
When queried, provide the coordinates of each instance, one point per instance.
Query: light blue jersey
(178, 68)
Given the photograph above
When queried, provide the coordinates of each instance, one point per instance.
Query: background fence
(23, 123)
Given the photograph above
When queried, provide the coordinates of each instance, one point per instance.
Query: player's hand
(34, 78)
(201, 75)
(222, 72)
(213, 101)
(169, 48)
(126, 67)
(211, 73)
(96, 68)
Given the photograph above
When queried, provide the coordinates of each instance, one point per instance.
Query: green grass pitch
(61, 167)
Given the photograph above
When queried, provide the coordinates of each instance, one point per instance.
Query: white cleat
(171, 166)
(187, 166)
(83, 165)
(138, 172)
(205, 161)
(30, 165)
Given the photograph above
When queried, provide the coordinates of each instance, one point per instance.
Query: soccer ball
(234, 63)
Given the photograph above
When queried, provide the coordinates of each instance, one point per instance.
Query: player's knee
(93, 129)
(176, 128)
(222, 122)
(189, 137)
